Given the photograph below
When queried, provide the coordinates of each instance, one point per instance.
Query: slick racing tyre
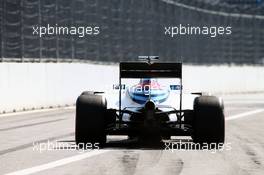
(209, 120)
(90, 119)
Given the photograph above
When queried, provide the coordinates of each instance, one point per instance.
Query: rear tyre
(90, 120)
(209, 120)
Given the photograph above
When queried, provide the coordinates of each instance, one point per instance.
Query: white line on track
(245, 114)
(57, 163)
(36, 111)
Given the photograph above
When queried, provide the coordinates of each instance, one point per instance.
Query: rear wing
(147, 70)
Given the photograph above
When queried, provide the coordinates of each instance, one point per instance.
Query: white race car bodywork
(171, 102)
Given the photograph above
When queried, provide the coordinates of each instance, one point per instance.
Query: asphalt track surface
(22, 133)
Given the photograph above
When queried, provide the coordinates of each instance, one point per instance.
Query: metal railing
(130, 28)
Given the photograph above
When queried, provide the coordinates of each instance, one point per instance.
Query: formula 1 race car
(149, 103)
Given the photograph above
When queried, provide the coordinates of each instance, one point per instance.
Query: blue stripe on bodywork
(157, 96)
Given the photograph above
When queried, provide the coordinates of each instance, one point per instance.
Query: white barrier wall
(36, 85)
(224, 79)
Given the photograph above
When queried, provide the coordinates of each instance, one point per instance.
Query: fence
(129, 28)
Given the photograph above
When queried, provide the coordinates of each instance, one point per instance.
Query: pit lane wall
(26, 86)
